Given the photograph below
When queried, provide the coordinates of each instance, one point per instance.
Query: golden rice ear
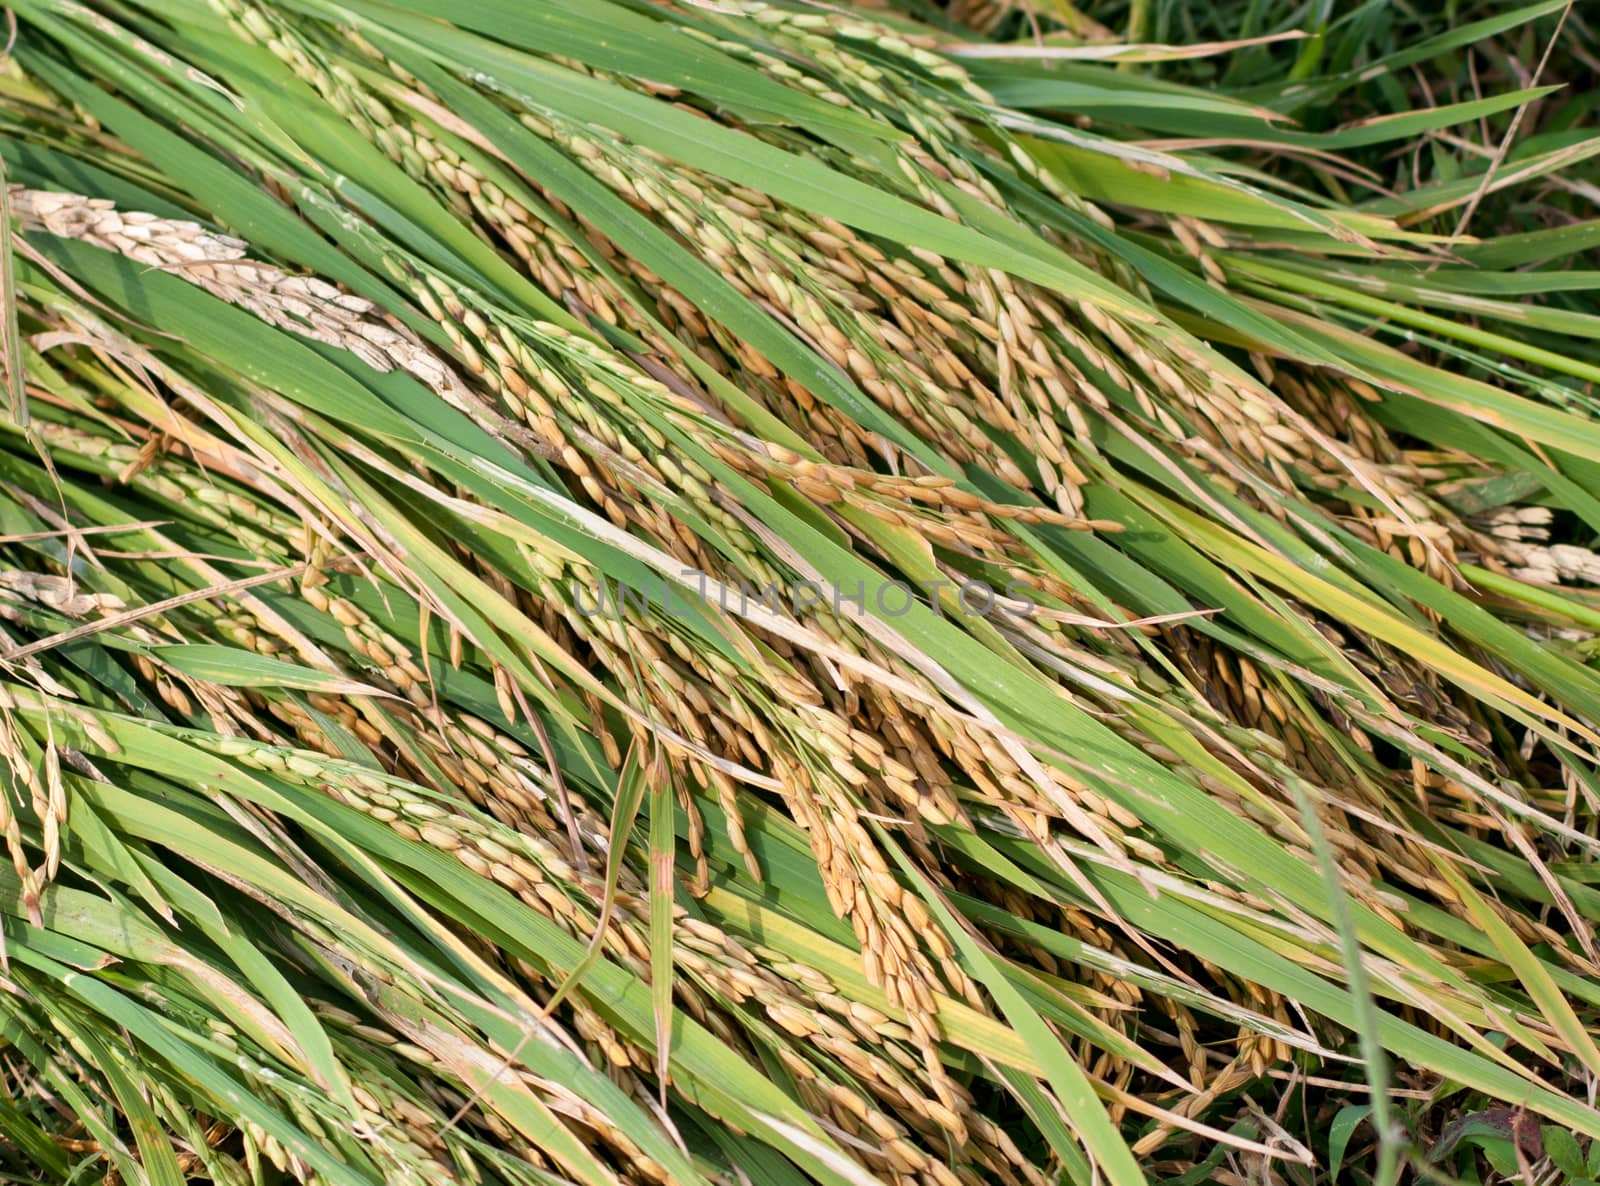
(718, 593)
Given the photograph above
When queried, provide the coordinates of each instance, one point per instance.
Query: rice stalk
(480, 331)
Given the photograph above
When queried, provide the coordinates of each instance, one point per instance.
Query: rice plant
(741, 593)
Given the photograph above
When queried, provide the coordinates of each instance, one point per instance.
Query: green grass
(1251, 833)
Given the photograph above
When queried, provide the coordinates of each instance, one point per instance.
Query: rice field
(725, 593)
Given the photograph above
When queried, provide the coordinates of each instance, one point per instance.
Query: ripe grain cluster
(352, 346)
